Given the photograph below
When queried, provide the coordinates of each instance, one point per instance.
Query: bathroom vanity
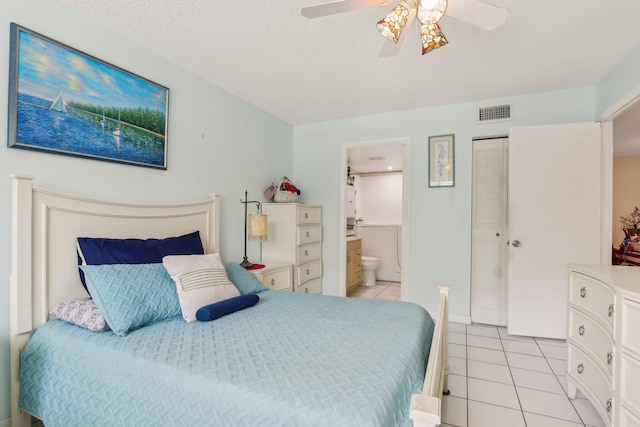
(354, 264)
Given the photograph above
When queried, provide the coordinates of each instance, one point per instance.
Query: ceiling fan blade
(339, 7)
(482, 15)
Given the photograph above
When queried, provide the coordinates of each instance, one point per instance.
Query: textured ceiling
(305, 71)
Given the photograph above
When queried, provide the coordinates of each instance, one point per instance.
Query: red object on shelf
(627, 256)
(255, 267)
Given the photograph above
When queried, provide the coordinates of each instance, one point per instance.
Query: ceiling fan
(483, 15)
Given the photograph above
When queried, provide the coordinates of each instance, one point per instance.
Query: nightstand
(275, 276)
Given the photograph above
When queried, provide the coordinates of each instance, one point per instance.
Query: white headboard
(44, 264)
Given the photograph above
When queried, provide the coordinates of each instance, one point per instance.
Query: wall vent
(495, 113)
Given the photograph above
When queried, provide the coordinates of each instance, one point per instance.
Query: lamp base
(246, 263)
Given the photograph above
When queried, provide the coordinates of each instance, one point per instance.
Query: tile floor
(497, 380)
(500, 380)
(382, 290)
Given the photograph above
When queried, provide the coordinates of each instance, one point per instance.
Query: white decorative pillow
(200, 280)
(81, 312)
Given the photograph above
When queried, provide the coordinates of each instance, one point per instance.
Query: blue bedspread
(291, 360)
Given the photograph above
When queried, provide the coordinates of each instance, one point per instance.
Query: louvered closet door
(489, 232)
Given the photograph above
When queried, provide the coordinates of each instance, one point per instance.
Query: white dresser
(604, 340)
(294, 236)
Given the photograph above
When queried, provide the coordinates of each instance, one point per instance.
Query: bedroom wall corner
(620, 85)
(217, 143)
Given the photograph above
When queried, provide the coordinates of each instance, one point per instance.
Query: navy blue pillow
(228, 306)
(100, 251)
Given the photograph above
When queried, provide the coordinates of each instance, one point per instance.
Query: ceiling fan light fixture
(391, 26)
(430, 11)
(432, 37)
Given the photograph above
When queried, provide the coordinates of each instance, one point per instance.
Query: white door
(489, 232)
(554, 220)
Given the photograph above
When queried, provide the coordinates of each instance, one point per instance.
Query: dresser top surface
(626, 278)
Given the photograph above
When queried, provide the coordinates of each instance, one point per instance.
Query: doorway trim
(606, 118)
(405, 258)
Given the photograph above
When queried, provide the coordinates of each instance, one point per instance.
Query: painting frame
(65, 101)
(442, 161)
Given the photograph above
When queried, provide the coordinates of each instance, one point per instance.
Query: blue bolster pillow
(224, 307)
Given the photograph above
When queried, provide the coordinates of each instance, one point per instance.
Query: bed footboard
(426, 408)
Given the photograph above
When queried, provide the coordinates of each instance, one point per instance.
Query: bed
(290, 359)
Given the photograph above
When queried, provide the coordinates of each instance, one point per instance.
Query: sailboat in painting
(58, 104)
(118, 130)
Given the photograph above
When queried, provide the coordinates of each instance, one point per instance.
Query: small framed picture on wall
(441, 161)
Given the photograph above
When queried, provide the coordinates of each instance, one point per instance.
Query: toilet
(369, 266)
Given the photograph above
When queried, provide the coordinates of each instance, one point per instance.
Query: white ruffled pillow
(200, 280)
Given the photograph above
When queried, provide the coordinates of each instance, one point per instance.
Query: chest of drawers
(275, 276)
(628, 359)
(590, 341)
(603, 343)
(294, 236)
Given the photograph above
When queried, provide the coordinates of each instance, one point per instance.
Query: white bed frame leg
(426, 408)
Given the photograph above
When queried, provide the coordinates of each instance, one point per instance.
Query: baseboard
(460, 319)
(6, 422)
(453, 318)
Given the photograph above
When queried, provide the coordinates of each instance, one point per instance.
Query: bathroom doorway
(381, 169)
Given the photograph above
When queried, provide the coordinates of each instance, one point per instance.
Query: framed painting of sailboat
(67, 102)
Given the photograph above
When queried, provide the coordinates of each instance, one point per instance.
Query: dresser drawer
(310, 252)
(309, 271)
(593, 296)
(592, 336)
(277, 280)
(630, 325)
(585, 371)
(309, 234)
(311, 287)
(630, 382)
(309, 215)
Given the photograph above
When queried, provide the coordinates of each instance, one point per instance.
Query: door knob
(515, 243)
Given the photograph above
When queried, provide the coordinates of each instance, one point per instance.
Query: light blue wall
(217, 143)
(619, 83)
(441, 217)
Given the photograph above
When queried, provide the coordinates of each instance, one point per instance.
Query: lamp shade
(257, 225)
(391, 26)
(432, 38)
(430, 11)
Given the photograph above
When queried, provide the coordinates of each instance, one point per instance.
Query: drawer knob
(608, 405)
(307, 271)
(610, 310)
(580, 368)
(306, 215)
(609, 358)
(307, 234)
(581, 330)
(306, 290)
(273, 282)
(583, 292)
(306, 253)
